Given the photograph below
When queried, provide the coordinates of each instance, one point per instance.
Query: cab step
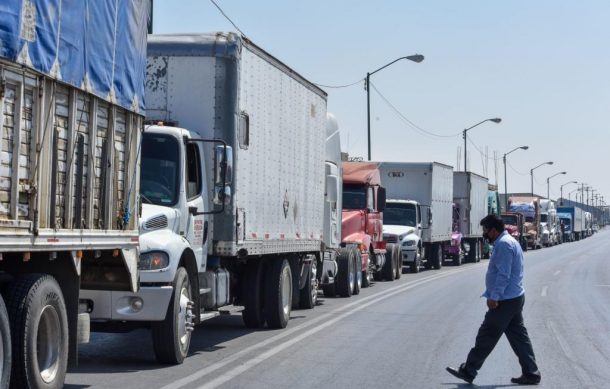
(208, 315)
(229, 309)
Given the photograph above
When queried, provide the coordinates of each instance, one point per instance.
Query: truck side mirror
(332, 189)
(381, 199)
(223, 168)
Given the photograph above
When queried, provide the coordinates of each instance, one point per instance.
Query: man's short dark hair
(493, 221)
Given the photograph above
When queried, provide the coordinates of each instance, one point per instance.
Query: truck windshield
(160, 169)
(354, 197)
(399, 214)
(509, 219)
(543, 218)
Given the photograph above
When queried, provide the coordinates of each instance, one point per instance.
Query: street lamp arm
(478, 124)
(415, 58)
(515, 149)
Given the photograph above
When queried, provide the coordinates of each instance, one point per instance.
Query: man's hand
(492, 304)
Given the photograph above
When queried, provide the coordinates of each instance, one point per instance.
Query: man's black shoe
(461, 374)
(526, 380)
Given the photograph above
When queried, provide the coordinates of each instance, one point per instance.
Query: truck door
(197, 225)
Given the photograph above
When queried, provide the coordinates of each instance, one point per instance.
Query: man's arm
(503, 263)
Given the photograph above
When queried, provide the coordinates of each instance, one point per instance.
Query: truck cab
(402, 225)
(364, 202)
(180, 286)
(515, 225)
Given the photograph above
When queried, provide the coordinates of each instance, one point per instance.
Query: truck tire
(39, 329)
(479, 251)
(308, 296)
(437, 252)
(252, 295)
(5, 347)
(389, 266)
(428, 255)
(366, 278)
(172, 336)
(457, 259)
(523, 245)
(357, 272)
(346, 276)
(414, 267)
(278, 294)
(398, 262)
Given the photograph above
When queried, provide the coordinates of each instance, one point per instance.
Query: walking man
(505, 299)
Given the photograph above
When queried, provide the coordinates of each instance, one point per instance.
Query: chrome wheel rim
(48, 340)
(184, 317)
(286, 289)
(314, 282)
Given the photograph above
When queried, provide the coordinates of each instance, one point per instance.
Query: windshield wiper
(146, 199)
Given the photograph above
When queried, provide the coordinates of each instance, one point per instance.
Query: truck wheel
(5, 347)
(366, 279)
(252, 295)
(457, 259)
(389, 266)
(172, 336)
(398, 262)
(39, 328)
(346, 272)
(357, 272)
(479, 251)
(308, 296)
(278, 294)
(524, 245)
(437, 251)
(414, 267)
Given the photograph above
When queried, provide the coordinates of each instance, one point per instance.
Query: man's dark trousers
(506, 319)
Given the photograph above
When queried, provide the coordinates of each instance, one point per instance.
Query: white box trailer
(470, 192)
(430, 184)
(234, 185)
(71, 115)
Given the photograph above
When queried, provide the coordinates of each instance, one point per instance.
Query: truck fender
(170, 243)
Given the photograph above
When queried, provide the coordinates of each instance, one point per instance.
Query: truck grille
(390, 238)
(156, 223)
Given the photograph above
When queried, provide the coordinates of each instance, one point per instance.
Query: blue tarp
(526, 209)
(96, 45)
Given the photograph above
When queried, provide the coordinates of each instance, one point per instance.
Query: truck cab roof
(361, 173)
(406, 201)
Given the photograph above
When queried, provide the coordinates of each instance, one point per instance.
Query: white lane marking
(288, 332)
(603, 286)
(557, 272)
(544, 289)
(252, 362)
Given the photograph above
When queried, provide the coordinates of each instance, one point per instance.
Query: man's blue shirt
(504, 279)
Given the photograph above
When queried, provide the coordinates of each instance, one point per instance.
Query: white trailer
(71, 116)
(234, 189)
(470, 197)
(430, 186)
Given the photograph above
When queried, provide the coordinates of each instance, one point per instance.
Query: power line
(515, 170)
(406, 120)
(339, 86)
(227, 17)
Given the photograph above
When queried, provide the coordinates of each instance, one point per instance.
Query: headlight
(155, 260)
(408, 243)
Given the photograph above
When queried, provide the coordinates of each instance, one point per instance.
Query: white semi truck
(549, 223)
(418, 212)
(235, 187)
(71, 94)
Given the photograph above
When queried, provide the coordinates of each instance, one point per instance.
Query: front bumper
(117, 306)
(408, 256)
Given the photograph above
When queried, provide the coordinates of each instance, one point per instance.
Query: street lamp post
(532, 173)
(464, 134)
(561, 189)
(505, 179)
(417, 58)
(548, 184)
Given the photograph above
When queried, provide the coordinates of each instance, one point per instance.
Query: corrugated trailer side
(274, 119)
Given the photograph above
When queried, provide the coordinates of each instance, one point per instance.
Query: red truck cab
(362, 222)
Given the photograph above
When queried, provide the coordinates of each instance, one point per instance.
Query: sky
(543, 67)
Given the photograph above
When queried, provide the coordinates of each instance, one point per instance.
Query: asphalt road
(399, 334)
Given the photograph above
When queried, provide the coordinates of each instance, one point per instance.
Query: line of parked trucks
(228, 194)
